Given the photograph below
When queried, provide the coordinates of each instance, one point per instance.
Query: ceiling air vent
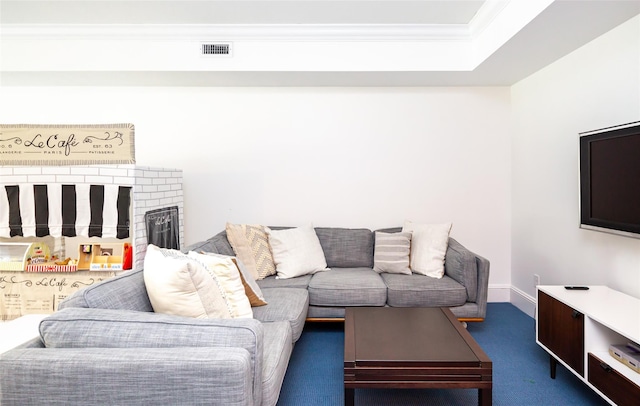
(215, 49)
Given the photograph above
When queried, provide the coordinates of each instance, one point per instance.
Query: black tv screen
(610, 180)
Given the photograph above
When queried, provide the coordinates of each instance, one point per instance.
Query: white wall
(596, 86)
(349, 157)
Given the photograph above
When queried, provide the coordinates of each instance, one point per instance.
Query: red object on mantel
(127, 262)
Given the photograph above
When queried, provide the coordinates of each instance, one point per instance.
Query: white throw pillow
(251, 287)
(228, 276)
(179, 285)
(428, 247)
(296, 251)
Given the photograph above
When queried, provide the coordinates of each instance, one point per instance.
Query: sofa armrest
(105, 328)
(126, 376)
(124, 291)
(483, 285)
(471, 271)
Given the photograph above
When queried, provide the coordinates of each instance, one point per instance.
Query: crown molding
(254, 32)
(486, 15)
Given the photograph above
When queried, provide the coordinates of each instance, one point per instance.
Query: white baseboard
(499, 293)
(523, 301)
(513, 295)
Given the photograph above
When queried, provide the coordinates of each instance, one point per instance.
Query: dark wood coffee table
(392, 347)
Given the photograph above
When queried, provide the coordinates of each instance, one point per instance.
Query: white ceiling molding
(244, 32)
(485, 16)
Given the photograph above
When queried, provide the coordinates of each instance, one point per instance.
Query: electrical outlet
(536, 279)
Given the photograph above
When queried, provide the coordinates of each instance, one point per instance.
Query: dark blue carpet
(520, 370)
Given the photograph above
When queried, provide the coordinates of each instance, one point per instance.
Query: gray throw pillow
(391, 253)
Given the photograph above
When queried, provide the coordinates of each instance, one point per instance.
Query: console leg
(349, 396)
(552, 366)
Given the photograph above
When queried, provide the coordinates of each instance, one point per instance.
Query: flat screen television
(610, 180)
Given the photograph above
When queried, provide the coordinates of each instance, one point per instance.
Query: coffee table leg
(485, 397)
(349, 395)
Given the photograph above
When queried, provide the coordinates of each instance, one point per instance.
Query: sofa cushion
(273, 282)
(278, 345)
(251, 246)
(392, 253)
(423, 291)
(296, 251)
(285, 304)
(428, 247)
(347, 287)
(346, 247)
(180, 285)
(126, 291)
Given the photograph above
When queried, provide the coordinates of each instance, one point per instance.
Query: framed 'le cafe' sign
(66, 144)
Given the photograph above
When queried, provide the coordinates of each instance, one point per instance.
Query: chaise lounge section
(106, 346)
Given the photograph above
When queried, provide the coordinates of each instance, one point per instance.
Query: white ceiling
(505, 40)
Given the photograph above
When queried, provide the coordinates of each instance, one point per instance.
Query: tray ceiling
(337, 43)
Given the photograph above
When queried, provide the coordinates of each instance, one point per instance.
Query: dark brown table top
(414, 336)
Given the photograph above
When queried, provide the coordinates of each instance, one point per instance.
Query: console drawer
(610, 382)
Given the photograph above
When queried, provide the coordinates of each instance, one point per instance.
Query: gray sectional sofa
(352, 282)
(105, 346)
